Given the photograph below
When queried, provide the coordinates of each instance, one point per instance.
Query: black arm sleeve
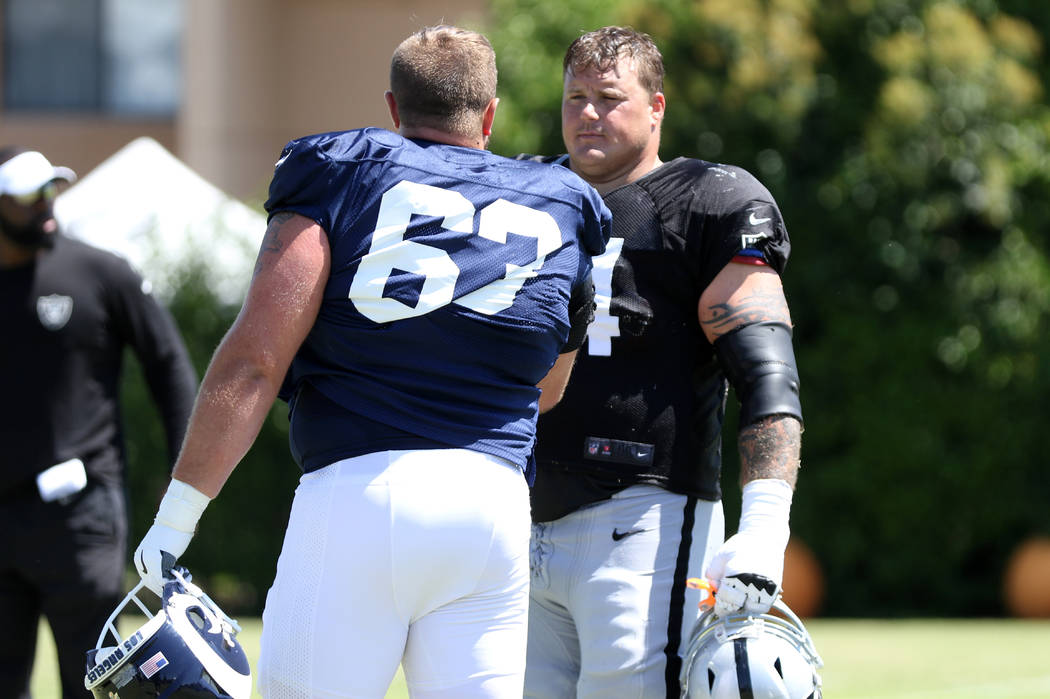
(581, 313)
(759, 362)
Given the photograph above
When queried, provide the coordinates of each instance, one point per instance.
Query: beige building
(254, 74)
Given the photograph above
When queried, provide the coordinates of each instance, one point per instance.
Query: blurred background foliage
(906, 144)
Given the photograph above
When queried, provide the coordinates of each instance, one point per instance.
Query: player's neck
(607, 182)
(438, 136)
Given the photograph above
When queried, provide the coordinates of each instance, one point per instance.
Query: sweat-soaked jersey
(448, 298)
(646, 400)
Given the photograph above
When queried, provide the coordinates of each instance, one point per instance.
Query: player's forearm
(234, 400)
(770, 448)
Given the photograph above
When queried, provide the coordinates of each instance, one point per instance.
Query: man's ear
(391, 104)
(488, 117)
(657, 104)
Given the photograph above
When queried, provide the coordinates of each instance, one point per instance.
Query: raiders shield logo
(54, 310)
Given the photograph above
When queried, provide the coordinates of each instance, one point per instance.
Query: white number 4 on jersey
(605, 326)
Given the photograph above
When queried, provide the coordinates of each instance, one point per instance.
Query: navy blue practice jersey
(452, 270)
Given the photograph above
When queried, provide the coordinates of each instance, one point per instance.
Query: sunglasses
(47, 193)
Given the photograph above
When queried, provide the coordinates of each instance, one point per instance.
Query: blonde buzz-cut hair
(444, 77)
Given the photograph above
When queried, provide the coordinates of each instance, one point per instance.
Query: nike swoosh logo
(617, 534)
(756, 221)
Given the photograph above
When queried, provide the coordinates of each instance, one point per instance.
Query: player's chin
(589, 160)
(588, 150)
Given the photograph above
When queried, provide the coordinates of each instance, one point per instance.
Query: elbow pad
(581, 313)
(759, 362)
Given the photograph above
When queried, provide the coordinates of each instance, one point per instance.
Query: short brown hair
(443, 77)
(603, 48)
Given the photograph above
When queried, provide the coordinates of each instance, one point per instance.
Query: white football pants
(411, 557)
(609, 610)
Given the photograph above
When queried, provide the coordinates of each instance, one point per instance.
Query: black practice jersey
(646, 400)
(67, 318)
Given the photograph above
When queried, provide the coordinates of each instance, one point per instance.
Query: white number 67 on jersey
(389, 251)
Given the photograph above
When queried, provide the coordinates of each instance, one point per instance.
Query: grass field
(863, 659)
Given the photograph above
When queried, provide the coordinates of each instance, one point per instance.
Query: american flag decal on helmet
(151, 666)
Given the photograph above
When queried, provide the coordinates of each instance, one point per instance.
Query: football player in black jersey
(69, 312)
(627, 502)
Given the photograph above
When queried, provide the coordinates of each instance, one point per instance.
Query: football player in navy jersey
(627, 502)
(417, 300)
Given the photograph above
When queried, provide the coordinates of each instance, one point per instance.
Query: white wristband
(181, 507)
(766, 508)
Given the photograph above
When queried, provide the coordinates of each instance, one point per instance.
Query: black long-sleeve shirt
(65, 320)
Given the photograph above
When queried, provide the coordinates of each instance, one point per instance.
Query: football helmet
(187, 649)
(764, 656)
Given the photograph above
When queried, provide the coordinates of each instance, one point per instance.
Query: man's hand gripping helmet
(186, 649)
(764, 656)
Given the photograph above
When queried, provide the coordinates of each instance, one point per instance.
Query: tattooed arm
(770, 448)
(742, 295)
(249, 365)
(749, 566)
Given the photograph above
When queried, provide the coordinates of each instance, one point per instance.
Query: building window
(116, 57)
